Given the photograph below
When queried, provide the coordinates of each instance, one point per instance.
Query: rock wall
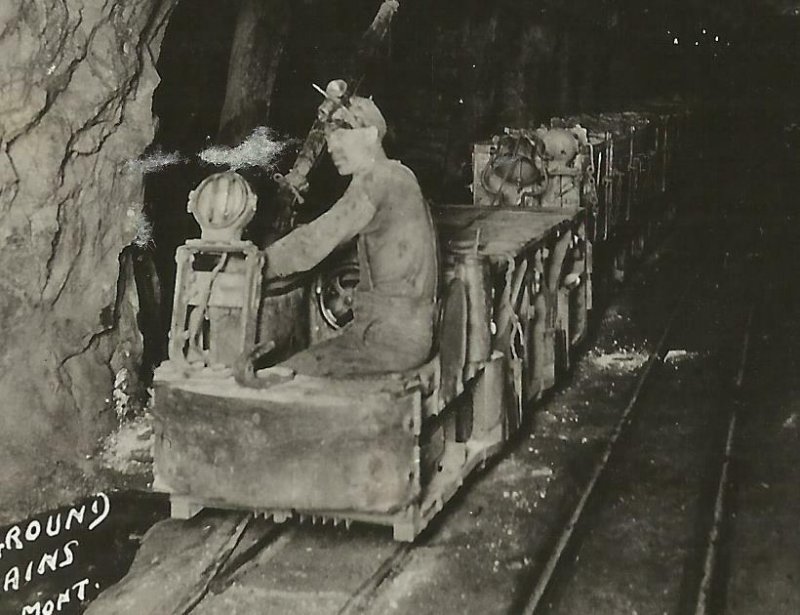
(76, 83)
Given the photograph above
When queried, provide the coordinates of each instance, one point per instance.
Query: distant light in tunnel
(675, 41)
(716, 39)
(704, 30)
(696, 43)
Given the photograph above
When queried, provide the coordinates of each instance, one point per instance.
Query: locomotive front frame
(394, 449)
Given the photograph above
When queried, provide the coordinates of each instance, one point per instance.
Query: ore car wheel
(334, 291)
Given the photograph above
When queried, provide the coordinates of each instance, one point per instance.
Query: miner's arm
(307, 245)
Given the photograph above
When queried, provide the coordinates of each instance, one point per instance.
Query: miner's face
(352, 149)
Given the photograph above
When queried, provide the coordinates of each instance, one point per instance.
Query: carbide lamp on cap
(341, 110)
(223, 204)
(335, 94)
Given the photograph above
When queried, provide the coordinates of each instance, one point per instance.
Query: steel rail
(236, 558)
(363, 596)
(199, 591)
(706, 587)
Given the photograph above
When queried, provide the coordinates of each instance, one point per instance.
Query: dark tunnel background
(454, 72)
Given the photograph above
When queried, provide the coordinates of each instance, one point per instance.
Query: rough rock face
(76, 82)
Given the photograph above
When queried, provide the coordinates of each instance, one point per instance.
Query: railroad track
(362, 598)
(703, 584)
(545, 578)
(704, 596)
(265, 541)
(709, 585)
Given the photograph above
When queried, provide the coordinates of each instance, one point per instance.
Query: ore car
(516, 271)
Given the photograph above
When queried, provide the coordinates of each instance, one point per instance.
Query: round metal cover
(334, 290)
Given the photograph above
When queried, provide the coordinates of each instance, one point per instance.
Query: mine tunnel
(364, 306)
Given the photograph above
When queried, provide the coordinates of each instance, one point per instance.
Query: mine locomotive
(516, 271)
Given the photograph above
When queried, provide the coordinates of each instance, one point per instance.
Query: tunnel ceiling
(731, 14)
(787, 8)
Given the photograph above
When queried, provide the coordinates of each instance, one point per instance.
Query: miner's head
(355, 135)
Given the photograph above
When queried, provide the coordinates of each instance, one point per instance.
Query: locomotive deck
(503, 231)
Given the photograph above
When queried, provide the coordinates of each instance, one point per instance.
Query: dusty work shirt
(394, 303)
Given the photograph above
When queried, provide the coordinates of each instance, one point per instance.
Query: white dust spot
(260, 149)
(144, 230)
(157, 161)
(120, 393)
(129, 449)
(679, 356)
(620, 361)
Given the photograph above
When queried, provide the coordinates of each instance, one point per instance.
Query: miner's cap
(362, 113)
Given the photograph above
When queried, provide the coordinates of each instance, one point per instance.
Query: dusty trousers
(387, 334)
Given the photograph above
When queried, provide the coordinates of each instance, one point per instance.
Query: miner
(394, 302)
